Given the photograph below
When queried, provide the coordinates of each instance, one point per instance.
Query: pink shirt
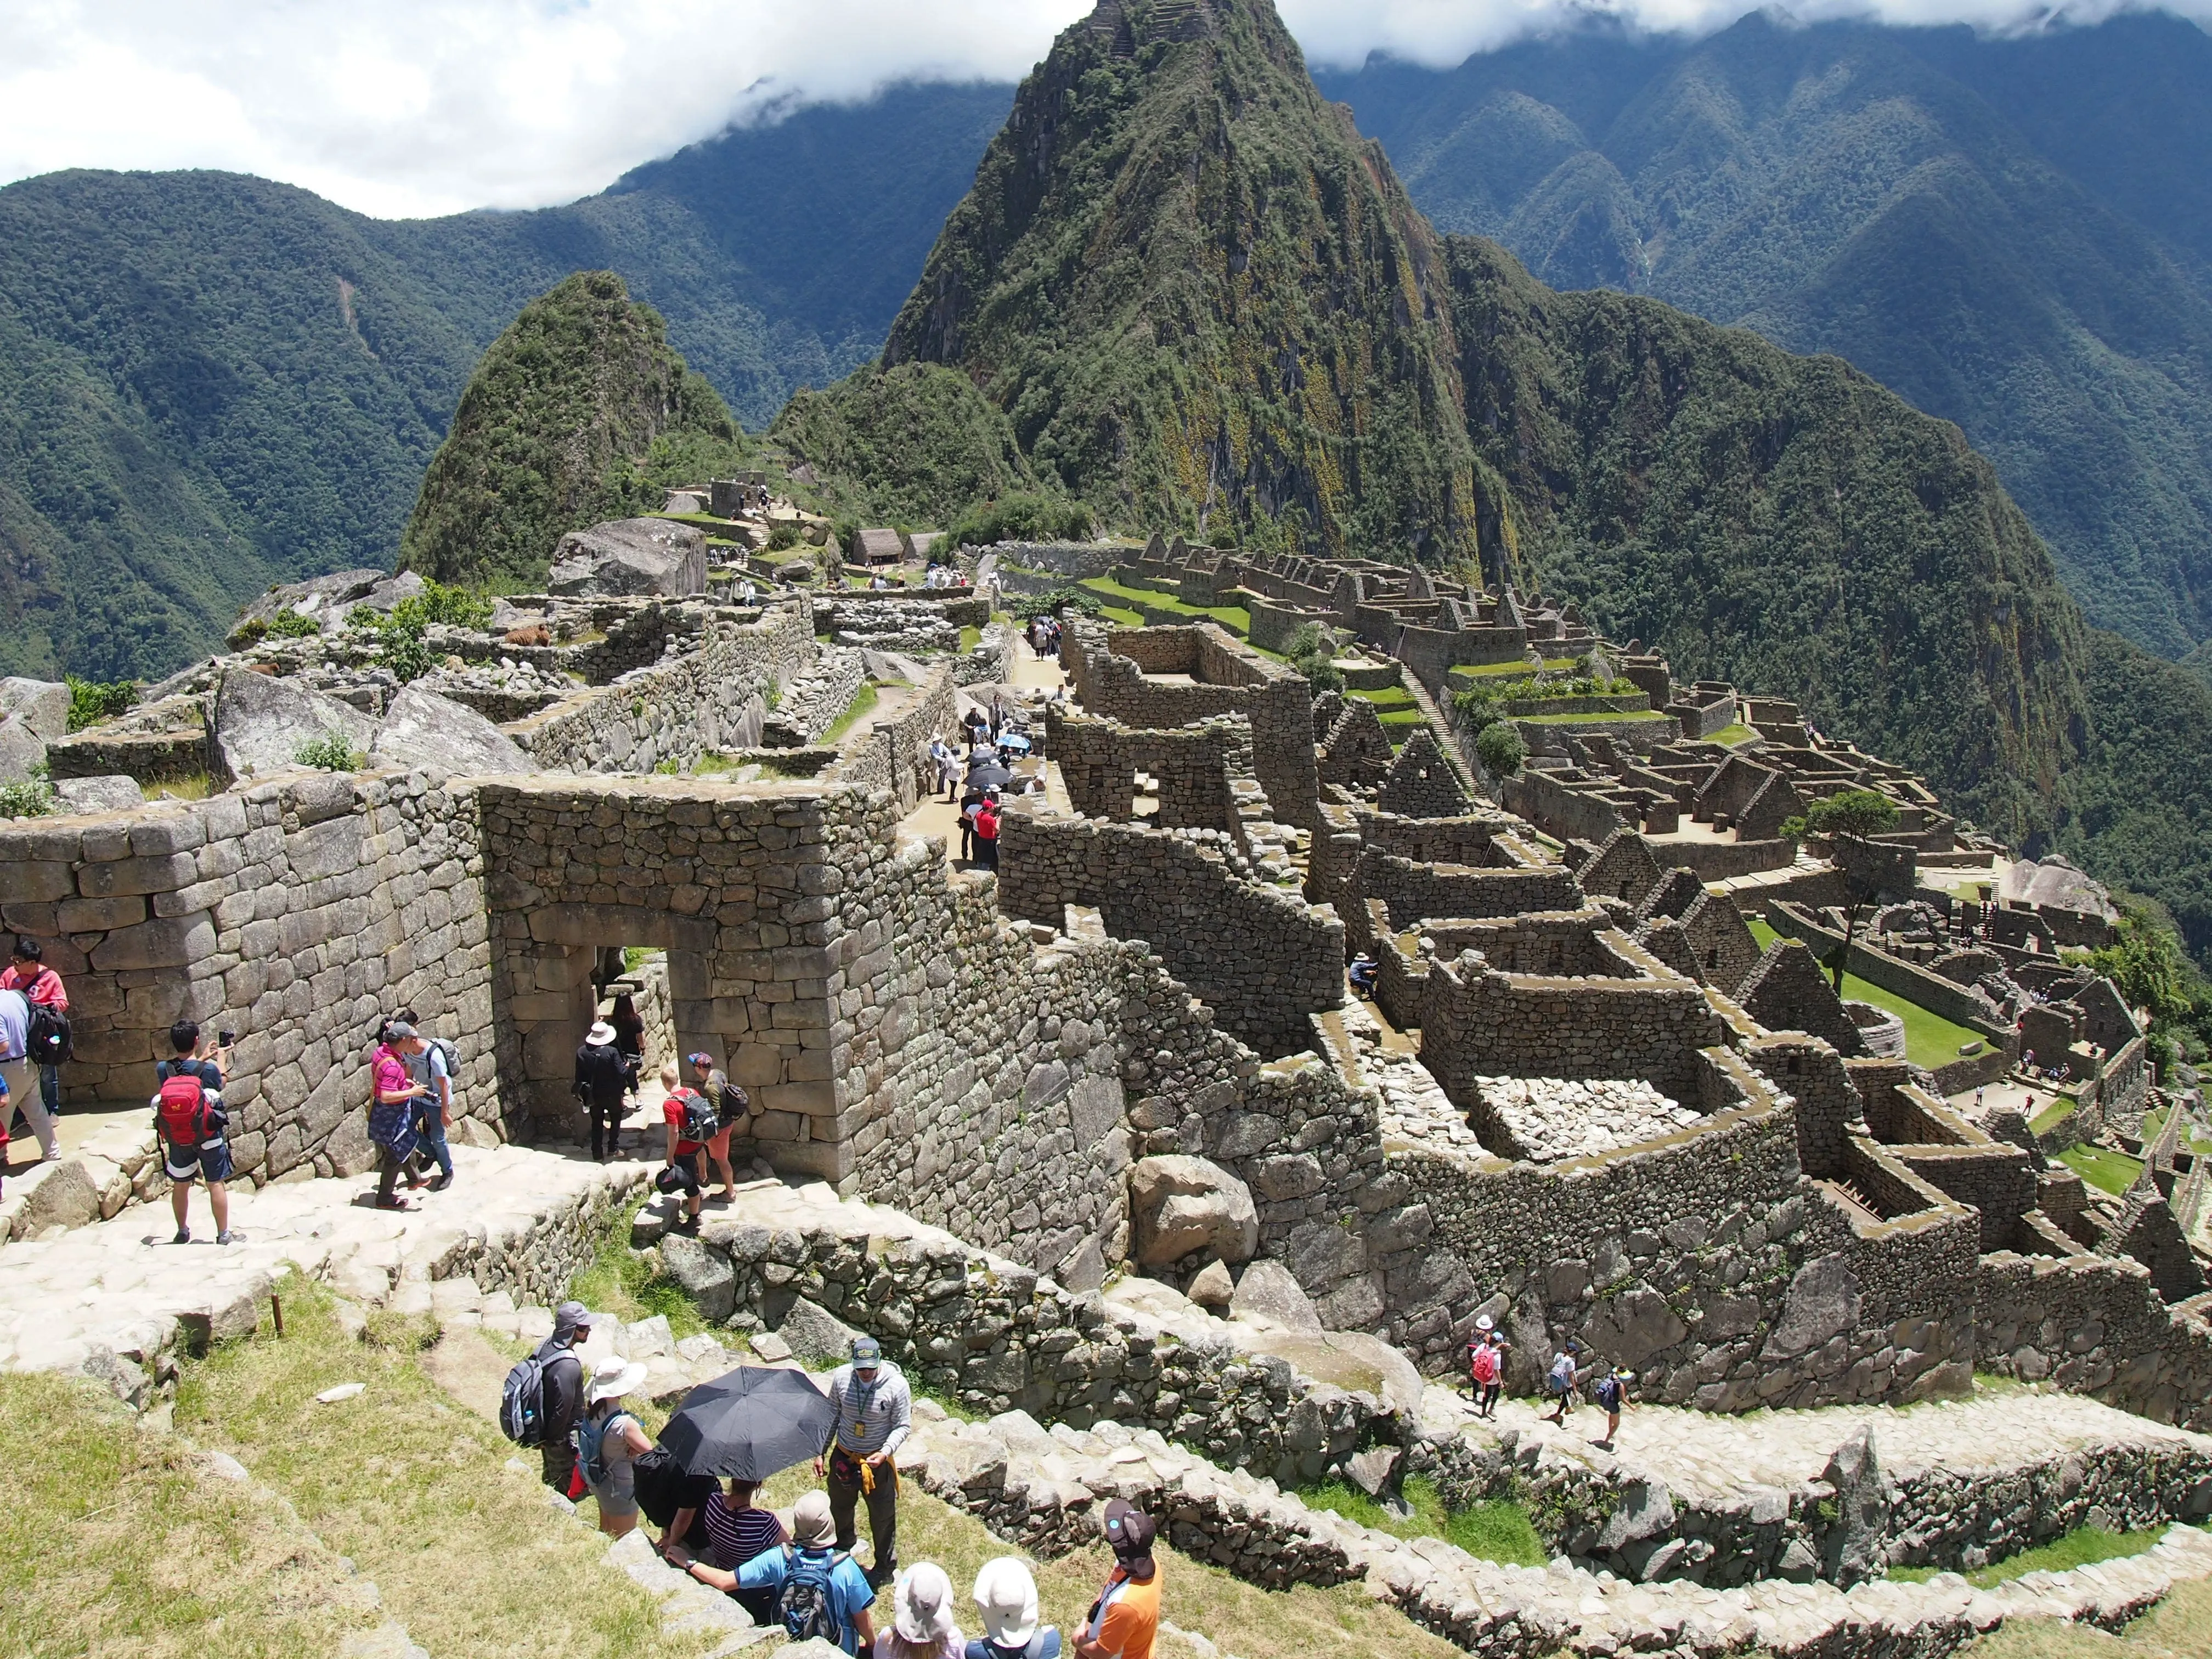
(42, 986)
(390, 1073)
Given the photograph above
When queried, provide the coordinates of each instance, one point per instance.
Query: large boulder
(1856, 1544)
(630, 557)
(113, 793)
(816, 1336)
(260, 722)
(702, 1274)
(326, 600)
(422, 728)
(1179, 1204)
(21, 750)
(1267, 1292)
(42, 705)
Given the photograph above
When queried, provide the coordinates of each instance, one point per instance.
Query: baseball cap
(868, 1351)
(1130, 1531)
(400, 1028)
(703, 1058)
(570, 1316)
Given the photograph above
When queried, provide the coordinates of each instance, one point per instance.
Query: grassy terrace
(1234, 618)
(2082, 1547)
(1509, 670)
(1930, 1040)
(1597, 719)
(1730, 736)
(2102, 1168)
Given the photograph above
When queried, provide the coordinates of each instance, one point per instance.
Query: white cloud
(420, 107)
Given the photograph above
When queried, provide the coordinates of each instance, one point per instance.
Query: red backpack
(181, 1108)
(1482, 1363)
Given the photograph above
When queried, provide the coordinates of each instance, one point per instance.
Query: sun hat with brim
(1484, 1323)
(921, 1604)
(615, 1377)
(1006, 1594)
(810, 1522)
(601, 1033)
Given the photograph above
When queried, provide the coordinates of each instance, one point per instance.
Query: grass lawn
(2054, 1114)
(411, 1487)
(1498, 669)
(1498, 1531)
(1930, 1040)
(1234, 618)
(2082, 1547)
(2102, 1168)
(1389, 696)
(864, 702)
(2179, 1627)
(1732, 735)
(1121, 618)
(970, 637)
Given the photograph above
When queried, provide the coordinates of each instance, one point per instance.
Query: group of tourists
(804, 1576)
(699, 1117)
(1044, 634)
(980, 773)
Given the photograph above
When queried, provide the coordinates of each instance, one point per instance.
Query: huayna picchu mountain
(1204, 303)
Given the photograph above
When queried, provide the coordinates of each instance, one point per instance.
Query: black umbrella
(988, 777)
(749, 1424)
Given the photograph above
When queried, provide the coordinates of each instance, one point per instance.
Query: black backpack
(47, 1038)
(735, 1105)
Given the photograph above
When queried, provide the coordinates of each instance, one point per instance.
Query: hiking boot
(183, 1236)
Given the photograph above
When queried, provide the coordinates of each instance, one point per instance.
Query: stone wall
(295, 913)
(1414, 891)
(1259, 956)
(711, 693)
(2091, 1324)
(893, 753)
(1189, 767)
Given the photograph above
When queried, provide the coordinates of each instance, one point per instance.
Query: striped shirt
(739, 1534)
(869, 1418)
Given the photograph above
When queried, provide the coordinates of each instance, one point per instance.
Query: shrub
(1022, 517)
(28, 798)
(289, 625)
(781, 535)
(1311, 651)
(332, 752)
(91, 703)
(248, 634)
(1500, 750)
(1057, 602)
(455, 607)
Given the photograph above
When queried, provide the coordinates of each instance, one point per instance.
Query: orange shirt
(1129, 1615)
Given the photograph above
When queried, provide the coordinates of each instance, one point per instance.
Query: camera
(226, 1039)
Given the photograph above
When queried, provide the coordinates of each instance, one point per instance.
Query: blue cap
(866, 1351)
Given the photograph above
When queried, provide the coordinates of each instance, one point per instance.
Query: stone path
(1043, 1489)
(516, 1219)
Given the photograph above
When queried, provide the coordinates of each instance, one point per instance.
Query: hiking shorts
(210, 1161)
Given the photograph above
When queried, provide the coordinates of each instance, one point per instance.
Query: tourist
(1611, 1392)
(1125, 1620)
(689, 1122)
(1485, 1364)
(947, 765)
(808, 1562)
(600, 1078)
(986, 830)
(393, 1112)
(922, 1626)
(629, 1040)
(1364, 969)
(21, 1076)
(609, 1442)
(560, 1378)
(738, 1531)
(871, 1410)
(971, 801)
(734, 1112)
(1559, 1381)
(1007, 1598)
(28, 972)
(189, 1118)
(426, 1065)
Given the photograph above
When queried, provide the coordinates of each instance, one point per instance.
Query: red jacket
(986, 824)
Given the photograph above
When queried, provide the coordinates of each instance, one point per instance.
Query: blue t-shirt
(1045, 1644)
(849, 1590)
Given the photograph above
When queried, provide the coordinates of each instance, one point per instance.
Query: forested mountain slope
(2013, 234)
(209, 382)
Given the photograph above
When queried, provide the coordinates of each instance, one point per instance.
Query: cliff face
(1204, 300)
(1780, 521)
(550, 432)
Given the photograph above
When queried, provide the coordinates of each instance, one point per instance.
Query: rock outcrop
(630, 557)
(1180, 1205)
(422, 728)
(259, 724)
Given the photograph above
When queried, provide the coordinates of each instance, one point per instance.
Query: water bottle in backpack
(807, 1604)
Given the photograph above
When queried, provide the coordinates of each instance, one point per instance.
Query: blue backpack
(591, 1441)
(807, 1603)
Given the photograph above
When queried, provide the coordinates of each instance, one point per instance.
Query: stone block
(99, 915)
(704, 1274)
(164, 942)
(161, 872)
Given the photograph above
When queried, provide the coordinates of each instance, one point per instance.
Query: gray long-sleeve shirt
(867, 1419)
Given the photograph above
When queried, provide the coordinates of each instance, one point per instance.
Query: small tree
(1311, 651)
(1499, 748)
(2148, 966)
(1855, 817)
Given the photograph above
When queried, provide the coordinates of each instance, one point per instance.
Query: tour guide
(870, 1408)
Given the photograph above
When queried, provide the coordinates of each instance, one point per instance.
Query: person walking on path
(807, 1571)
(19, 1074)
(1007, 1598)
(1559, 1381)
(601, 1079)
(42, 986)
(426, 1065)
(189, 1120)
(393, 1112)
(987, 832)
(971, 802)
(922, 1624)
(609, 1442)
(733, 1113)
(562, 1390)
(1485, 1364)
(690, 1121)
(871, 1413)
(1611, 1393)
(947, 765)
(1124, 1622)
(629, 1040)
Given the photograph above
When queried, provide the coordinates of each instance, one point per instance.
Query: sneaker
(230, 1238)
(440, 1184)
(183, 1236)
